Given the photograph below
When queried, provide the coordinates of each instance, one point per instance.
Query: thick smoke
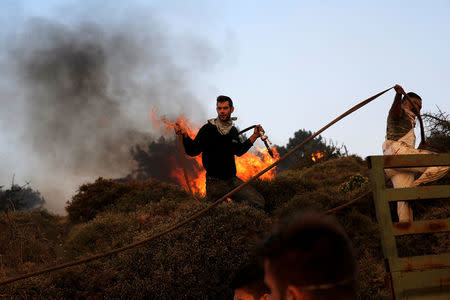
(81, 96)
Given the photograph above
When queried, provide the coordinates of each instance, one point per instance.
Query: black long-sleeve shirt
(218, 150)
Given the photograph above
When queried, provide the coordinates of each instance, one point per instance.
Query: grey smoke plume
(79, 97)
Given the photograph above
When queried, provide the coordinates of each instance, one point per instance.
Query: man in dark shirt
(218, 141)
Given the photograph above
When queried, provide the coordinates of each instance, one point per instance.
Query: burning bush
(153, 162)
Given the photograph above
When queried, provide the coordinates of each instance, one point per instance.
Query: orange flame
(248, 165)
(169, 126)
(316, 156)
(197, 180)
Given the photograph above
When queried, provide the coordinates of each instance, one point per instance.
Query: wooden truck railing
(414, 277)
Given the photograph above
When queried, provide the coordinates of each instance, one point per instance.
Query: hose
(208, 208)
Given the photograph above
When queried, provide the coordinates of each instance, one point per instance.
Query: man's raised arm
(396, 108)
(192, 147)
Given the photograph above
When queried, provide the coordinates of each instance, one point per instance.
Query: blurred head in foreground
(248, 283)
(309, 257)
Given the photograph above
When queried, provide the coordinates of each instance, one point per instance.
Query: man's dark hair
(412, 95)
(251, 279)
(312, 252)
(223, 98)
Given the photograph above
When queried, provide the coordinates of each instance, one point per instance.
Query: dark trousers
(216, 188)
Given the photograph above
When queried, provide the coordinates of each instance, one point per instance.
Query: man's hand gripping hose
(263, 136)
(266, 141)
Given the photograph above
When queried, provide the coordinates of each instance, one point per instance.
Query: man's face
(415, 106)
(224, 110)
(270, 282)
(242, 294)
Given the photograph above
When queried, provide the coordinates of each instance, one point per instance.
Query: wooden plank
(424, 262)
(418, 193)
(417, 277)
(375, 162)
(416, 160)
(419, 227)
(382, 209)
(414, 285)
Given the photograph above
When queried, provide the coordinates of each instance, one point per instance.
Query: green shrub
(355, 182)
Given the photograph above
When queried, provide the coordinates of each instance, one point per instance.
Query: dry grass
(197, 261)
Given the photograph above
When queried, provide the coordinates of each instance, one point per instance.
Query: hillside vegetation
(198, 260)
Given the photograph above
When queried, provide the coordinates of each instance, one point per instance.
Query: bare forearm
(396, 108)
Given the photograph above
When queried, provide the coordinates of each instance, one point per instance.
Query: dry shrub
(334, 172)
(198, 261)
(318, 187)
(195, 262)
(105, 232)
(104, 194)
(29, 240)
(283, 187)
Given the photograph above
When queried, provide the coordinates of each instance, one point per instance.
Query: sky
(288, 65)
